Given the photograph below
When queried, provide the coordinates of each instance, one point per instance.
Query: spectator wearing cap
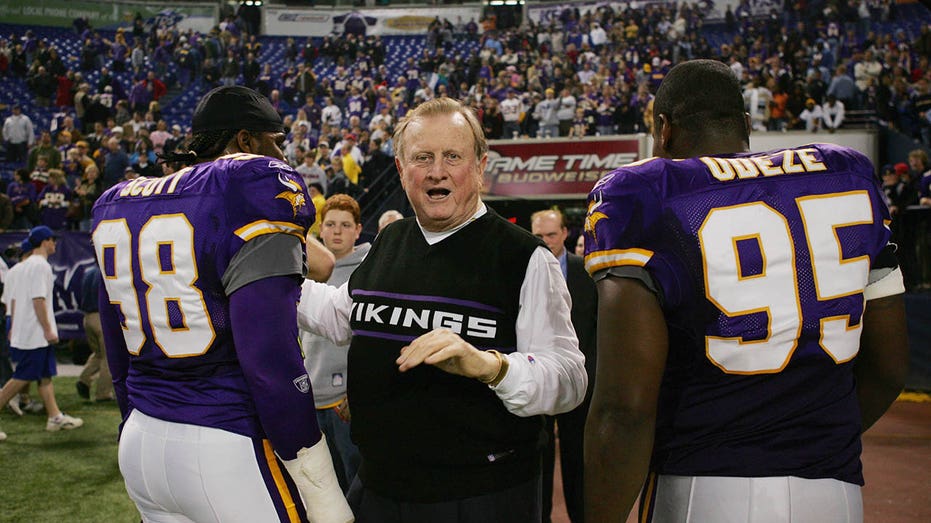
(33, 332)
(811, 115)
(899, 193)
(83, 148)
(19, 135)
(63, 142)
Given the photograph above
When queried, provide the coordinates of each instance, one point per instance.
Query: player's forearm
(117, 353)
(617, 459)
(882, 364)
(619, 434)
(320, 260)
(271, 361)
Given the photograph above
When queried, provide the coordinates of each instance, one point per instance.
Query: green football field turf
(67, 476)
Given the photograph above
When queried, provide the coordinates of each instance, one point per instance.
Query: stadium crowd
(816, 66)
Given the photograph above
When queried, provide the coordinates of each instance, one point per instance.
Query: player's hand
(445, 350)
(51, 337)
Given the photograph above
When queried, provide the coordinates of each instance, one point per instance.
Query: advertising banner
(714, 10)
(73, 254)
(105, 15)
(321, 22)
(554, 168)
(546, 13)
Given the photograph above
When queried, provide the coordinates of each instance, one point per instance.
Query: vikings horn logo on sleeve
(294, 195)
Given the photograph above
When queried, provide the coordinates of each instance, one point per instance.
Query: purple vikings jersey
(167, 250)
(356, 106)
(760, 262)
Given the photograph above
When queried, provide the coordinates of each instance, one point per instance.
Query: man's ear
(244, 141)
(400, 166)
(664, 131)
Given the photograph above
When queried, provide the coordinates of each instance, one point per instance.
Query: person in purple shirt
(139, 96)
(202, 272)
(118, 51)
(54, 200)
(22, 194)
(751, 320)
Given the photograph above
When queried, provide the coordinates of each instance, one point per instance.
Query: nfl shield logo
(302, 383)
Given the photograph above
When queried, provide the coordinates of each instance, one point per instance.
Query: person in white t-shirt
(511, 109)
(832, 113)
(33, 331)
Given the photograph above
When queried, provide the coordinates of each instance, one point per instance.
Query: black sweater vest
(426, 435)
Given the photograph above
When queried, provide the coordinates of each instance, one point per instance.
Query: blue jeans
(344, 452)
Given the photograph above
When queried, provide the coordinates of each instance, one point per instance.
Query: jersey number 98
(163, 264)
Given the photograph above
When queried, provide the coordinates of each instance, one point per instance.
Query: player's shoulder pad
(840, 157)
(270, 195)
(111, 194)
(631, 178)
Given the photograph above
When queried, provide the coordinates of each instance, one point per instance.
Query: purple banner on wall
(73, 254)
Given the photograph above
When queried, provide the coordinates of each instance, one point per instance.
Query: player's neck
(714, 147)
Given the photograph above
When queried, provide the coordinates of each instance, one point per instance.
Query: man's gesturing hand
(444, 349)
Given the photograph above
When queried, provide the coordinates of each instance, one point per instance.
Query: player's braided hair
(203, 146)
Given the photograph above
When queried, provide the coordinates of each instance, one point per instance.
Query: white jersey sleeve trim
(888, 285)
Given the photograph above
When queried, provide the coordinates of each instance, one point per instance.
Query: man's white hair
(388, 217)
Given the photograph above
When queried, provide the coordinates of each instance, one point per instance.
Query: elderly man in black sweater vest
(461, 341)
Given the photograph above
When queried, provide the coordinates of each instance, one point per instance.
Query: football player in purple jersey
(202, 271)
(751, 321)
